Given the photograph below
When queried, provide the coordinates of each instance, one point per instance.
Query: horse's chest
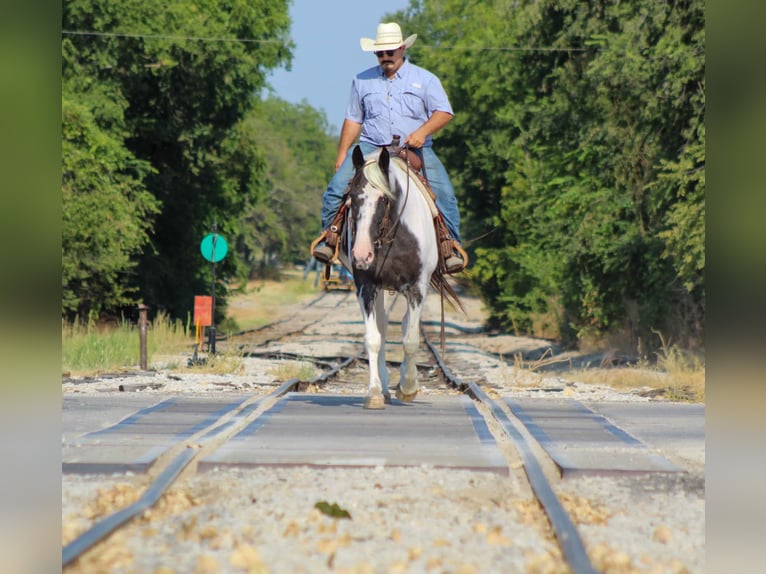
(399, 261)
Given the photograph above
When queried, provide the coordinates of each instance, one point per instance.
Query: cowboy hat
(389, 37)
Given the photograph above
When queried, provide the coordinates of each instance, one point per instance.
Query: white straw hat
(388, 37)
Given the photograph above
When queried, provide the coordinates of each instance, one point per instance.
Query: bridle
(386, 231)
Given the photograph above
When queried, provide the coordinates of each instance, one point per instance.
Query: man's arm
(348, 134)
(436, 122)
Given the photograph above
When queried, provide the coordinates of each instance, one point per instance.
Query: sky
(327, 54)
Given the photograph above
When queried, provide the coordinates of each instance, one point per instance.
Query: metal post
(142, 309)
(211, 345)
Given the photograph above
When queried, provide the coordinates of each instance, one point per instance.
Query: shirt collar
(399, 72)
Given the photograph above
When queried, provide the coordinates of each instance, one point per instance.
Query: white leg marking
(408, 380)
(373, 343)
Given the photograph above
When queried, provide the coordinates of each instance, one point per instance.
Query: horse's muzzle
(364, 260)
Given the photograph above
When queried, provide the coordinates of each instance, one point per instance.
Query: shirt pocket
(413, 105)
(374, 105)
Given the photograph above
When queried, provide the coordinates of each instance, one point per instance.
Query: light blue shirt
(399, 105)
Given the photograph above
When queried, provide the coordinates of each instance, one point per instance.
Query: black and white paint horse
(393, 246)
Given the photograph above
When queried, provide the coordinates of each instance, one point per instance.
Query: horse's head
(372, 199)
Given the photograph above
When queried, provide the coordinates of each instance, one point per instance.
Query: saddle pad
(425, 191)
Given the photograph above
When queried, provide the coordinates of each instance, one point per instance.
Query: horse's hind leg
(408, 380)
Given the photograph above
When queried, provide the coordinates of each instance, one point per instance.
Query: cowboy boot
(323, 253)
(454, 263)
(325, 247)
(451, 252)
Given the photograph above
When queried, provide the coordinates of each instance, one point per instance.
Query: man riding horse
(391, 99)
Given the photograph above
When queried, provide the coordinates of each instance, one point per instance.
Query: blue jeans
(437, 177)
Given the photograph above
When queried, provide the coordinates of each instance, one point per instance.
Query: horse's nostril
(365, 258)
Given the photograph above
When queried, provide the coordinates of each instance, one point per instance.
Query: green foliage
(577, 151)
(160, 90)
(578, 154)
(105, 209)
(298, 156)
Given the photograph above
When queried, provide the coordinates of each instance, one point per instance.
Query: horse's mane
(376, 178)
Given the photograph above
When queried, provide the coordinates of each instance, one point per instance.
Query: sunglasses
(386, 52)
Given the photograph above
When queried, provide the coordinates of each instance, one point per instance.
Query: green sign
(213, 247)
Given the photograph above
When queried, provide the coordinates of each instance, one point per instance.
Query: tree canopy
(578, 154)
(162, 88)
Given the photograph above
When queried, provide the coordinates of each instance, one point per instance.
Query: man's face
(391, 60)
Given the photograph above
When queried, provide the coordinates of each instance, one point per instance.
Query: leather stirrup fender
(336, 227)
(443, 235)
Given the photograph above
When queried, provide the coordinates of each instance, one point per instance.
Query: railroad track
(324, 333)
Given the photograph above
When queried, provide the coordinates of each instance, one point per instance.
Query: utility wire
(168, 37)
(276, 41)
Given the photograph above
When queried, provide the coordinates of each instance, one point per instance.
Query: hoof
(375, 402)
(405, 398)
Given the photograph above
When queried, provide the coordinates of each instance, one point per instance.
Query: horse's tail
(440, 284)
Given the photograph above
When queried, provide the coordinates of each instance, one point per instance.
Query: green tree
(298, 156)
(187, 73)
(106, 209)
(578, 155)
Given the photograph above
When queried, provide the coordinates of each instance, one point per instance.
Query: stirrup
(457, 261)
(453, 264)
(323, 254)
(323, 258)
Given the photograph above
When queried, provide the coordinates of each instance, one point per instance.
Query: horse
(390, 244)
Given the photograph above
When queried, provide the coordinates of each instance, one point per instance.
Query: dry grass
(89, 348)
(229, 362)
(263, 300)
(677, 375)
(300, 370)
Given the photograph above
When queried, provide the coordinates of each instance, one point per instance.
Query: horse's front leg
(408, 379)
(374, 337)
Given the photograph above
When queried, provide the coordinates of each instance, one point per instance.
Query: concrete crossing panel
(136, 441)
(583, 442)
(336, 430)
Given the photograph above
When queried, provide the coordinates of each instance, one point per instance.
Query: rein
(387, 235)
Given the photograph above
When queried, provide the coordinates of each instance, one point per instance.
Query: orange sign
(203, 310)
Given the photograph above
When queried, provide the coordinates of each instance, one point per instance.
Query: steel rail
(311, 303)
(279, 336)
(565, 530)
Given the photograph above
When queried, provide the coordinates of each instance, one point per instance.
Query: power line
(276, 41)
(504, 48)
(168, 37)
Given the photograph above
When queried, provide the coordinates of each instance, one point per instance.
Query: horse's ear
(358, 157)
(383, 161)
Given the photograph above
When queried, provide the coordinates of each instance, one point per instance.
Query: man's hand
(436, 122)
(417, 138)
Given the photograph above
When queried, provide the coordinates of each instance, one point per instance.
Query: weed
(300, 370)
(230, 362)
